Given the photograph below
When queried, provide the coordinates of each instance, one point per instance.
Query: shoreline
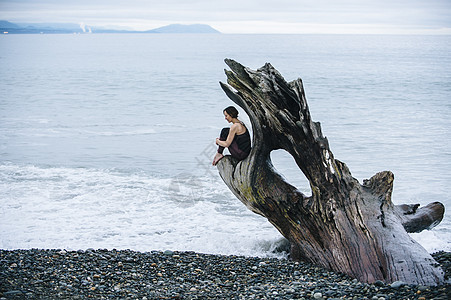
(127, 274)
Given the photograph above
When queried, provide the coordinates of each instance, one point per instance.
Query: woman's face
(227, 117)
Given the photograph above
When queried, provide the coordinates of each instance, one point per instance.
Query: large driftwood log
(344, 226)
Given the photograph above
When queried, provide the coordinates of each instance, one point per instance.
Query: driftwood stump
(344, 226)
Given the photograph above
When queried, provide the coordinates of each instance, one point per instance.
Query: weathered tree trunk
(344, 226)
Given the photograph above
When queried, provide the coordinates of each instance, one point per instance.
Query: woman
(236, 138)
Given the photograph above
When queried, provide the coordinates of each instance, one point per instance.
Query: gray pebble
(397, 284)
(114, 274)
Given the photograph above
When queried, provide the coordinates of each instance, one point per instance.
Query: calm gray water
(106, 140)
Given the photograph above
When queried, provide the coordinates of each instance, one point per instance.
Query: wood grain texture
(344, 226)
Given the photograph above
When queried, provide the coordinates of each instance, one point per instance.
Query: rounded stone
(397, 284)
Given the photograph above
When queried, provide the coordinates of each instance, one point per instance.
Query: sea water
(106, 141)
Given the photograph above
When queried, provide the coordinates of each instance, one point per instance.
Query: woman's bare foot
(217, 158)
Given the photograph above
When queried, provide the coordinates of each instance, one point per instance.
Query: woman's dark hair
(232, 111)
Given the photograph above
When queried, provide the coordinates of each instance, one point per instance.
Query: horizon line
(354, 30)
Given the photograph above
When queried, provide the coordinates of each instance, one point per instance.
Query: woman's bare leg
(217, 158)
(222, 137)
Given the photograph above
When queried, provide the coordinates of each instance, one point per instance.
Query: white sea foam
(88, 208)
(79, 208)
(434, 240)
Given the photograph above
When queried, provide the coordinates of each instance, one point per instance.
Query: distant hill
(30, 28)
(6, 24)
(8, 27)
(61, 26)
(179, 28)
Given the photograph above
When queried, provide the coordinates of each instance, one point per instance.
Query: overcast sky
(244, 16)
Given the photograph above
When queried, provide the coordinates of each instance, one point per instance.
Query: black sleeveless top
(244, 140)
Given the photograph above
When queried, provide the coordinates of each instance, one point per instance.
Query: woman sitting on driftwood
(236, 138)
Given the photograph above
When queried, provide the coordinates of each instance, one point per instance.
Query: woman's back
(244, 141)
(240, 128)
(243, 138)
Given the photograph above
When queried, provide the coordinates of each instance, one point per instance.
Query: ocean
(106, 140)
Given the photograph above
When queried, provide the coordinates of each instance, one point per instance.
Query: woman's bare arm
(230, 137)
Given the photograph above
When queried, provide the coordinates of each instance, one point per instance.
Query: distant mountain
(54, 26)
(8, 27)
(179, 28)
(30, 28)
(6, 24)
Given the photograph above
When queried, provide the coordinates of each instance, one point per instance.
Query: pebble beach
(126, 274)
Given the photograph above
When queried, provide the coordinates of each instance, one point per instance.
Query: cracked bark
(344, 226)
